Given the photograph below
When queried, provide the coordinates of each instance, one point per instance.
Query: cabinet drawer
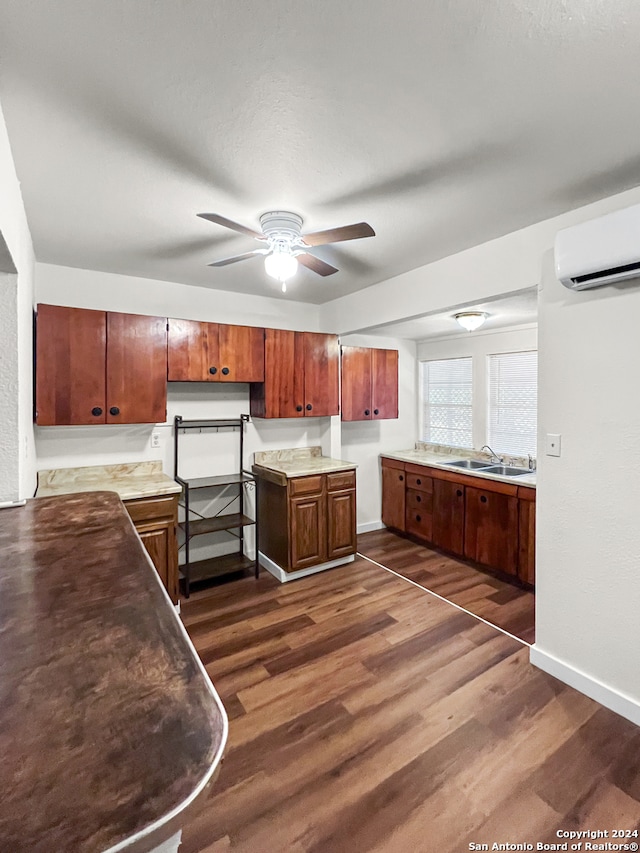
(420, 482)
(419, 523)
(392, 463)
(341, 480)
(419, 501)
(305, 485)
(146, 509)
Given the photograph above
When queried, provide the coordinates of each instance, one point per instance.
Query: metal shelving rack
(221, 521)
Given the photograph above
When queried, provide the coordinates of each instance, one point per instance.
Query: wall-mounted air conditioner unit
(601, 251)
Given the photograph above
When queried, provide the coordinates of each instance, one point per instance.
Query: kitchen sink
(505, 470)
(474, 464)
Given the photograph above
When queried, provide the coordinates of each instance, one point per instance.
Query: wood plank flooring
(366, 715)
(501, 603)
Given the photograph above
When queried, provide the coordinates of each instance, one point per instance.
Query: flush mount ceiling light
(471, 320)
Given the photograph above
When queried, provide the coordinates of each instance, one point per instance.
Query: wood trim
(526, 493)
(392, 463)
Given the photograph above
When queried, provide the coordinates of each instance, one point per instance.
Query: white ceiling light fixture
(470, 320)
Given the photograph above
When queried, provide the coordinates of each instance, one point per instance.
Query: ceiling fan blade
(228, 223)
(224, 261)
(315, 264)
(338, 235)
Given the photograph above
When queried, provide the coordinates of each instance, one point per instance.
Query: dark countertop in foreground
(109, 725)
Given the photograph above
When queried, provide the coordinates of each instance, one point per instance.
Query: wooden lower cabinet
(488, 521)
(491, 529)
(156, 519)
(307, 521)
(393, 494)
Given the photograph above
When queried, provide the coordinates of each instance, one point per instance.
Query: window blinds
(513, 402)
(446, 388)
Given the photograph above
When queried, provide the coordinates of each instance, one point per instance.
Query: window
(446, 402)
(513, 402)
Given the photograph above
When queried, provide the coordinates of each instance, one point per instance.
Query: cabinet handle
(375, 412)
(96, 411)
(459, 492)
(114, 410)
(483, 499)
(367, 412)
(309, 407)
(418, 481)
(418, 518)
(298, 408)
(401, 478)
(419, 499)
(213, 370)
(225, 371)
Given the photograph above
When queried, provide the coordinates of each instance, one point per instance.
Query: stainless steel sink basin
(474, 464)
(505, 470)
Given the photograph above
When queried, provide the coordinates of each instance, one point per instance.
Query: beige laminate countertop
(129, 480)
(440, 460)
(299, 462)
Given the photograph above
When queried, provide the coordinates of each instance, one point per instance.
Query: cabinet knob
(114, 410)
(367, 412)
(418, 518)
(401, 478)
(96, 411)
(213, 370)
(418, 481)
(483, 499)
(309, 407)
(225, 371)
(376, 412)
(459, 492)
(419, 499)
(298, 408)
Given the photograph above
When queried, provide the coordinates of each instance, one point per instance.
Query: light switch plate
(552, 444)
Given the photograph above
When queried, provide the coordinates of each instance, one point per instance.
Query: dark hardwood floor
(366, 715)
(499, 602)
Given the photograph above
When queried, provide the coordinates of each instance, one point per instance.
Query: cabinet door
(384, 383)
(321, 369)
(308, 531)
(281, 395)
(341, 523)
(70, 366)
(241, 355)
(527, 541)
(393, 497)
(491, 529)
(355, 373)
(187, 359)
(448, 516)
(136, 369)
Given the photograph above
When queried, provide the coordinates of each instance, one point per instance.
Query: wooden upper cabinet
(214, 352)
(70, 366)
(136, 369)
(369, 384)
(301, 376)
(96, 367)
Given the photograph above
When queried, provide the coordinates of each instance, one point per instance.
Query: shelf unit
(196, 524)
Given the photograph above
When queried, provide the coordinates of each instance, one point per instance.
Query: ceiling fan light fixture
(470, 320)
(281, 264)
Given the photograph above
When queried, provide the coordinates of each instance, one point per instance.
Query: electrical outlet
(155, 439)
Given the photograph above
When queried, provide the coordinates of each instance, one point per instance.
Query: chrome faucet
(494, 456)
(532, 462)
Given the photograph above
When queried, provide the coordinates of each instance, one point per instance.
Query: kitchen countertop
(435, 459)
(109, 724)
(129, 480)
(299, 462)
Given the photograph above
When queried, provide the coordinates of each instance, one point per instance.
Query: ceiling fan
(286, 246)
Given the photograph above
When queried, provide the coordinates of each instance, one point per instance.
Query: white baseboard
(283, 577)
(368, 526)
(602, 693)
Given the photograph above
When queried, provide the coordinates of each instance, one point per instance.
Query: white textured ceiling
(441, 124)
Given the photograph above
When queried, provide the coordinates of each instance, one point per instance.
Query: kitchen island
(109, 725)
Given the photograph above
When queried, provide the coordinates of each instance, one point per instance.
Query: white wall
(588, 543)
(363, 441)
(478, 345)
(17, 451)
